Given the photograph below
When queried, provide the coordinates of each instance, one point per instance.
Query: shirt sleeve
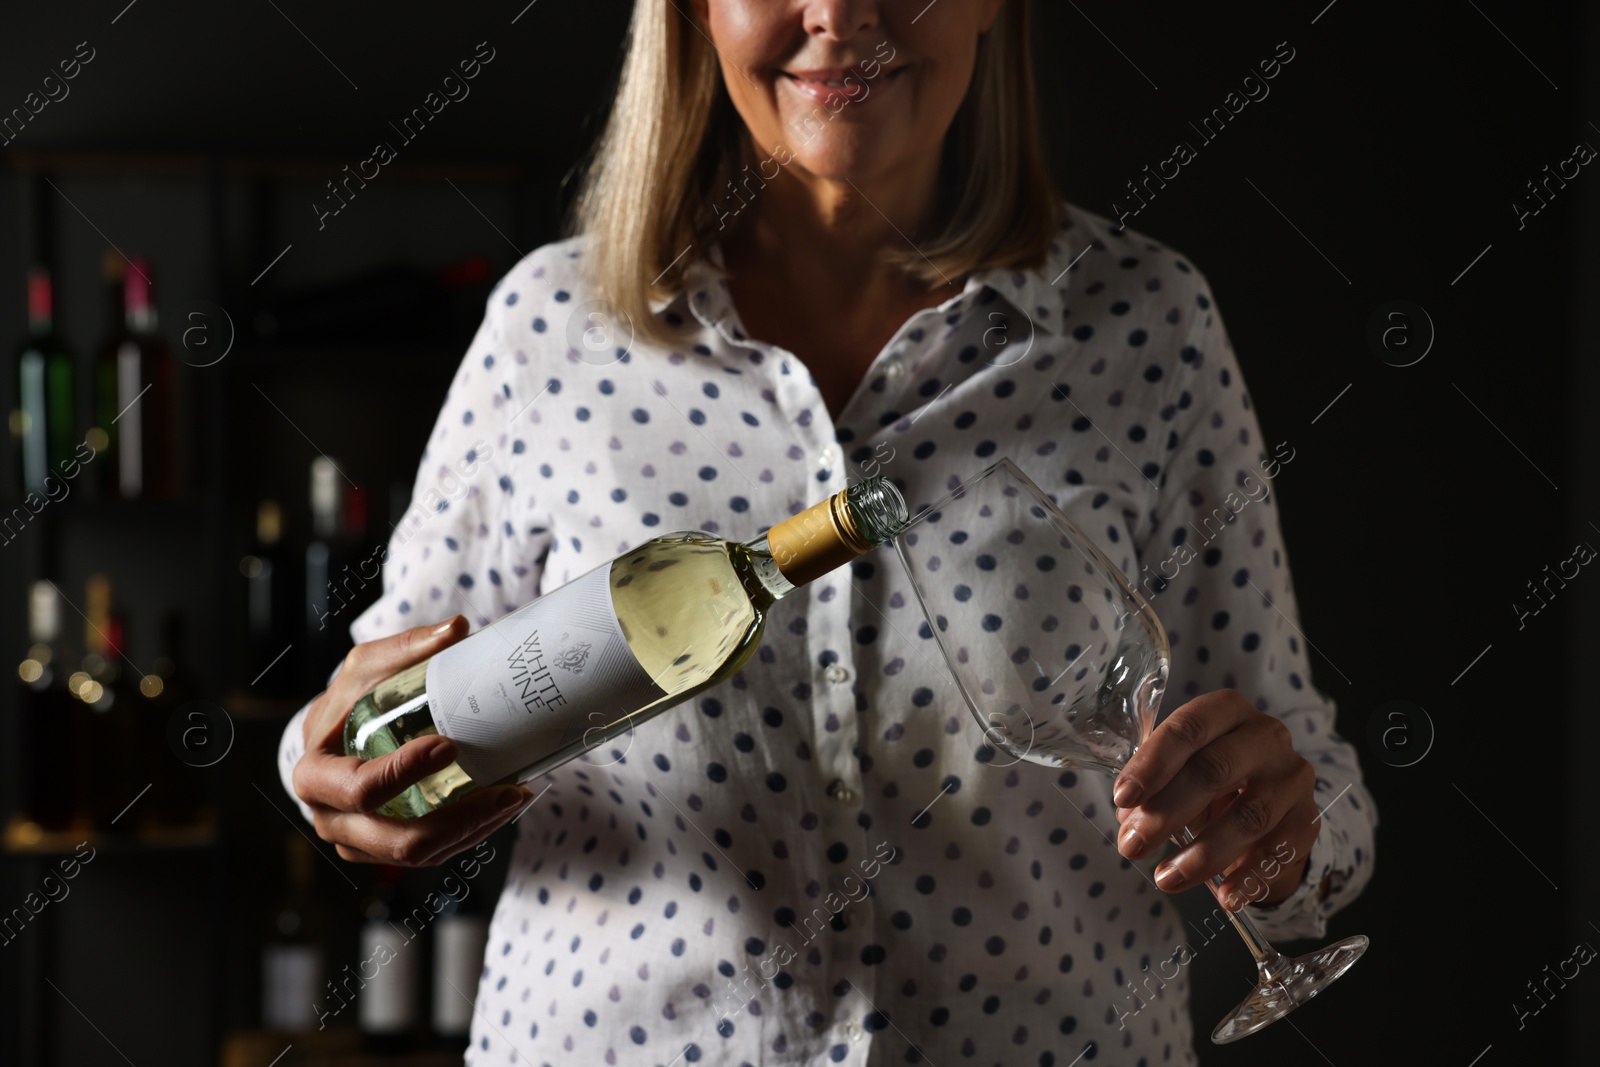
(1223, 592)
(471, 542)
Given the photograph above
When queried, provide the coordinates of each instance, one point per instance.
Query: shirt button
(854, 1031)
(893, 369)
(827, 457)
(836, 674)
(840, 793)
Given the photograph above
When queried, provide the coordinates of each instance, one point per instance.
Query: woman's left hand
(1228, 772)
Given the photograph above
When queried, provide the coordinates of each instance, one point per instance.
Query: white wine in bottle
(609, 650)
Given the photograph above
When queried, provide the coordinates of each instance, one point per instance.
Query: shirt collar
(1036, 293)
(1040, 292)
(705, 289)
(1028, 291)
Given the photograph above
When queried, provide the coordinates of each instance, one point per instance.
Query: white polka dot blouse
(814, 862)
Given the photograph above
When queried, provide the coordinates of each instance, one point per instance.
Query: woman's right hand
(344, 792)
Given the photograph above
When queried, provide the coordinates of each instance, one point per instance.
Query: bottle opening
(877, 508)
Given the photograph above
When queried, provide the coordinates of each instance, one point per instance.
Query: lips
(828, 85)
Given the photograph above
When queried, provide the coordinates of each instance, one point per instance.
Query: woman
(817, 242)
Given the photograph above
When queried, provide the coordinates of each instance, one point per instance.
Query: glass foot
(1296, 981)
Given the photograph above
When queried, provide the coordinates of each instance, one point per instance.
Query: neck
(763, 580)
(828, 237)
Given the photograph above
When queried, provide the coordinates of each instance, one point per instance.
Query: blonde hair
(674, 140)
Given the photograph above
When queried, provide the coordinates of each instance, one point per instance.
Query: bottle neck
(765, 569)
(44, 614)
(39, 302)
(138, 311)
(828, 535)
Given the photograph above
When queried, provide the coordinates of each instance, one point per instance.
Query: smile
(831, 86)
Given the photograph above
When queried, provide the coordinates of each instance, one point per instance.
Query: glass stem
(1272, 966)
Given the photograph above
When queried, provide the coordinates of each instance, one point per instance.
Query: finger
(1273, 867)
(1194, 825)
(1239, 828)
(355, 855)
(1123, 813)
(372, 661)
(352, 784)
(368, 664)
(1219, 769)
(415, 842)
(1183, 733)
(520, 799)
(1209, 813)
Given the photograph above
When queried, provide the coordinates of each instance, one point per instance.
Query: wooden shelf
(192, 165)
(23, 837)
(242, 704)
(334, 1047)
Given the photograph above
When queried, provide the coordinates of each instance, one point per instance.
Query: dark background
(1420, 504)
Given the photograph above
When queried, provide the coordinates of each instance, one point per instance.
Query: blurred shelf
(243, 704)
(190, 165)
(106, 507)
(23, 837)
(334, 1047)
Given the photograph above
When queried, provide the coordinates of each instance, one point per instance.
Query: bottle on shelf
(387, 1006)
(321, 610)
(353, 514)
(608, 650)
(341, 577)
(460, 934)
(50, 722)
(177, 793)
(103, 378)
(105, 684)
(43, 422)
(261, 570)
(136, 395)
(269, 605)
(291, 959)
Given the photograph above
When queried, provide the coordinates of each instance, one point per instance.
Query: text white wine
(608, 650)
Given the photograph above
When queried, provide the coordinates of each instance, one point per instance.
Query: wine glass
(1063, 663)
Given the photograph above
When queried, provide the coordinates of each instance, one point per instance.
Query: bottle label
(553, 673)
(458, 961)
(291, 983)
(388, 998)
(130, 435)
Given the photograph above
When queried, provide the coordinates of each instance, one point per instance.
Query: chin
(859, 158)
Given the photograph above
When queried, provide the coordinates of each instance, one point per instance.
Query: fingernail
(1168, 877)
(1132, 842)
(443, 628)
(1232, 902)
(1127, 793)
(515, 798)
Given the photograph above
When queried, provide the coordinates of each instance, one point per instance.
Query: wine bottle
(608, 650)
(459, 936)
(260, 570)
(43, 421)
(106, 686)
(137, 406)
(387, 1005)
(291, 960)
(103, 376)
(51, 727)
(177, 791)
(271, 598)
(320, 650)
